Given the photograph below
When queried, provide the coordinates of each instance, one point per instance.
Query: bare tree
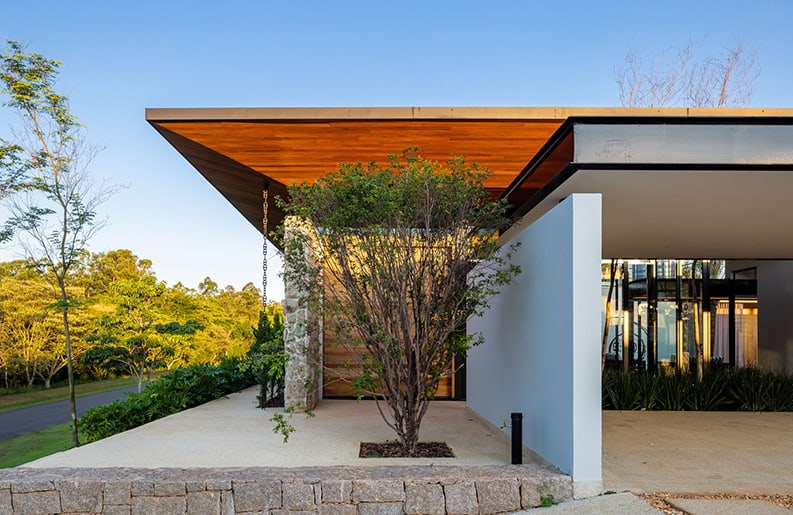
(58, 214)
(684, 79)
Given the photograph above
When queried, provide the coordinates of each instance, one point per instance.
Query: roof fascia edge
(352, 113)
(438, 113)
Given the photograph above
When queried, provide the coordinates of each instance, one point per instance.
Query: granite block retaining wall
(323, 490)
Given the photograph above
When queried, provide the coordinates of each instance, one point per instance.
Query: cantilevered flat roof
(529, 150)
(672, 187)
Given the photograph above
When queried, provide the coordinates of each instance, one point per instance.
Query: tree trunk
(69, 365)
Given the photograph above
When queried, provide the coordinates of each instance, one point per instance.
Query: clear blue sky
(121, 57)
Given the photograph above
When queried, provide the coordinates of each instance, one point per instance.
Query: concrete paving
(613, 503)
(698, 452)
(232, 432)
(671, 452)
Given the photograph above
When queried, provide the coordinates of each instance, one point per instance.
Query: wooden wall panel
(337, 358)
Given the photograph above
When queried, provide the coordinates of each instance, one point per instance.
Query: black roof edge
(571, 168)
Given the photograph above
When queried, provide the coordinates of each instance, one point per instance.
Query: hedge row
(173, 392)
(721, 389)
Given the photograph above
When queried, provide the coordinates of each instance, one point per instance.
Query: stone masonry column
(302, 333)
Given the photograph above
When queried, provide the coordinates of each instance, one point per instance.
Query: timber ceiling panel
(237, 156)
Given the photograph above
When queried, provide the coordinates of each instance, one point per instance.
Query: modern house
(648, 187)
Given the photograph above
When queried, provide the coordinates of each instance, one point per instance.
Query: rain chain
(264, 245)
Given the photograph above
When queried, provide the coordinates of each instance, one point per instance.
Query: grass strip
(25, 448)
(21, 400)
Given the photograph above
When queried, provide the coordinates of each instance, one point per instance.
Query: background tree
(412, 248)
(129, 337)
(103, 268)
(681, 78)
(58, 217)
(188, 327)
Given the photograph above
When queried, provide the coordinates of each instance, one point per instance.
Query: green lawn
(23, 449)
(20, 400)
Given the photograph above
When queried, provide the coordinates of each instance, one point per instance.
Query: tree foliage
(181, 325)
(408, 253)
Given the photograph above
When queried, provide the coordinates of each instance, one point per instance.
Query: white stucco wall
(541, 354)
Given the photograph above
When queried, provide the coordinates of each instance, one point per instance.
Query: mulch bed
(660, 500)
(394, 450)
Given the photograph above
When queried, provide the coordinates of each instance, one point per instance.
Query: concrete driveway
(698, 452)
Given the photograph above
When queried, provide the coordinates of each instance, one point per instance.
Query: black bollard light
(517, 438)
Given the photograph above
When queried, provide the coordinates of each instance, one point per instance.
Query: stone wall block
(5, 500)
(142, 488)
(336, 491)
(380, 508)
(338, 509)
(227, 503)
(461, 498)
(23, 487)
(498, 495)
(116, 492)
(258, 496)
(203, 503)
(31, 503)
(424, 499)
(168, 489)
(218, 484)
(298, 496)
(116, 509)
(378, 490)
(196, 486)
(80, 496)
(532, 491)
(143, 505)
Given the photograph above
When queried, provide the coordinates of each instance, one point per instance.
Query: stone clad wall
(302, 335)
(323, 490)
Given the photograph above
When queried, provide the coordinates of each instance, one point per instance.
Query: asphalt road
(22, 421)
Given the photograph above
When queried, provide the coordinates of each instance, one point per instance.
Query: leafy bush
(176, 391)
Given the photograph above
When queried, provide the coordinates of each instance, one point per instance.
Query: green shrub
(649, 391)
(742, 389)
(267, 359)
(176, 391)
(753, 389)
(709, 394)
(620, 391)
(675, 390)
